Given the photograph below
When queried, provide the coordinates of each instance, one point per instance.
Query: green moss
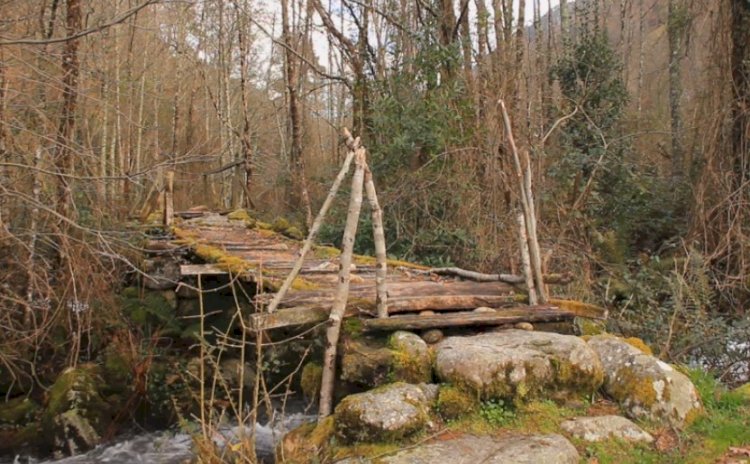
(411, 361)
(352, 327)
(18, 411)
(636, 342)
(325, 252)
(588, 327)
(744, 391)
(311, 379)
(309, 443)
(241, 215)
(637, 389)
(453, 403)
(295, 233)
(303, 284)
(280, 224)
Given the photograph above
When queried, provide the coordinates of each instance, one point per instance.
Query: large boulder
(532, 449)
(369, 363)
(388, 413)
(518, 364)
(75, 415)
(601, 428)
(643, 385)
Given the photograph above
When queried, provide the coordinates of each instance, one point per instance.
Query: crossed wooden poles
(362, 178)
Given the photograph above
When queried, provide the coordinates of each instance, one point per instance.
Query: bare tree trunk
(294, 80)
(525, 260)
(64, 142)
(740, 62)
(342, 292)
(677, 16)
(381, 300)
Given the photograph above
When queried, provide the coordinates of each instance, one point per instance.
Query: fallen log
(468, 319)
(560, 279)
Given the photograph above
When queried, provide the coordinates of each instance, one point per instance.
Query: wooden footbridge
(417, 297)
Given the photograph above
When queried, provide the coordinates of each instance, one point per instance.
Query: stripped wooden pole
(342, 291)
(381, 270)
(169, 199)
(353, 145)
(525, 260)
(523, 177)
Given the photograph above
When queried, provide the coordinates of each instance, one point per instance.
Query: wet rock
(517, 364)
(76, 415)
(643, 385)
(411, 358)
(388, 413)
(432, 336)
(600, 428)
(532, 449)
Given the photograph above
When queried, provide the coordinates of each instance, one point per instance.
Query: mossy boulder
(391, 412)
(516, 365)
(17, 411)
(602, 428)
(411, 358)
(644, 386)
(76, 415)
(308, 443)
(371, 362)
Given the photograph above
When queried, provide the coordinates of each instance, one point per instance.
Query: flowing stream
(174, 447)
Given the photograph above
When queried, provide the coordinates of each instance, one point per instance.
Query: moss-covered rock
(516, 365)
(391, 412)
(76, 415)
(17, 411)
(307, 444)
(744, 391)
(453, 402)
(643, 385)
(366, 363)
(411, 358)
(311, 379)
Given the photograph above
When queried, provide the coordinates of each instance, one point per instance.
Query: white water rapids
(174, 447)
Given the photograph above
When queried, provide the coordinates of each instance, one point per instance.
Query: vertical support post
(342, 292)
(381, 300)
(169, 199)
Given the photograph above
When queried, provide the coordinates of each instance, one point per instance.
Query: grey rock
(390, 412)
(533, 449)
(600, 428)
(432, 336)
(643, 385)
(515, 364)
(163, 274)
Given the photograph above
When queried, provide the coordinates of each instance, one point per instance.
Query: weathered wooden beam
(201, 269)
(468, 319)
(288, 317)
(580, 309)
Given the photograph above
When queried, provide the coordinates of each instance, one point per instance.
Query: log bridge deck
(418, 298)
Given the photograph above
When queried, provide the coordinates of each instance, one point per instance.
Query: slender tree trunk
(675, 33)
(64, 142)
(740, 62)
(381, 300)
(294, 81)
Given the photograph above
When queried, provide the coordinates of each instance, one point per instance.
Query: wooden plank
(467, 319)
(201, 269)
(581, 309)
(288, 317)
